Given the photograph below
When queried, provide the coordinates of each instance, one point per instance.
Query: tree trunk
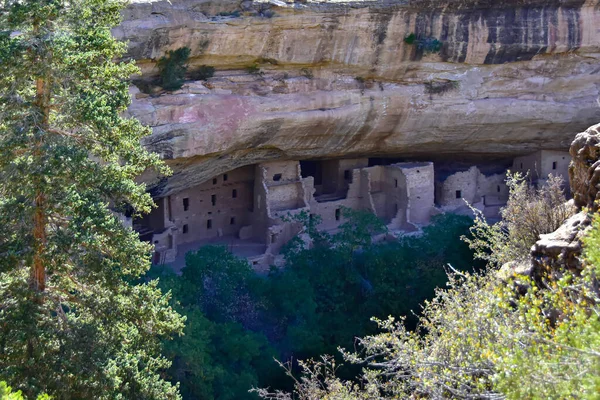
(38, 272)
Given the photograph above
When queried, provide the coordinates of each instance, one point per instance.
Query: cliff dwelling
(247, 209)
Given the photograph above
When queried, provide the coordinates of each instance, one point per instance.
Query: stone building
(486, 193)
(251, 205)
(249, 208)
(543, 163)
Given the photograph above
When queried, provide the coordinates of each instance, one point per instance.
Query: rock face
(340, 80)
(562, 248)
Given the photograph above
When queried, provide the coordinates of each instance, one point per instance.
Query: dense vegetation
(239, 322)
(489, 335)
(73, 324)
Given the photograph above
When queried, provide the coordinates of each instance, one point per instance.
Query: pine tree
(76, 321)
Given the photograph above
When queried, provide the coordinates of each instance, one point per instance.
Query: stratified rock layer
(339, 80)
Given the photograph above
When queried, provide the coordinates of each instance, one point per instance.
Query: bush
(410, 39)
(203, 73)
(254, 69)
(433, 87)
(172, 68)
(426, 44)
(529, 213)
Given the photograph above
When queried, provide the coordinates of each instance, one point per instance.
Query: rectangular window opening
(213, 199)
(395, 182)
(234, 193)
(498, 189)
(214, 181)
(277, 177)
(209, 224)
(458, 194)
(186, 204)
(554, 165)
(185, 229)
(347, 175)
(337, 214)
(225, 177)
(232, 221)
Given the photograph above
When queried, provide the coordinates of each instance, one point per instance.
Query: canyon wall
(334, 79)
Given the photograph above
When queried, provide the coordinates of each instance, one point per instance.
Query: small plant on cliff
(434, 87)
(172, 68)
(203, 73)
(254, 69)
(410, 39)
(426, 44)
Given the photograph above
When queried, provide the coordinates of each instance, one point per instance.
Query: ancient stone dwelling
(245, 208)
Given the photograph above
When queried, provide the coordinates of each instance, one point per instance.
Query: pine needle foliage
(73, 321)
(172, 68)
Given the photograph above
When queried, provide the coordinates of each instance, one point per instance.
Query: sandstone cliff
(339, 79)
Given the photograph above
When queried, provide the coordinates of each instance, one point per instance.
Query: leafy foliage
(219, 356)
(323, 298)
(529, 213)
(73, 322)
(6, 393)
(172, 68)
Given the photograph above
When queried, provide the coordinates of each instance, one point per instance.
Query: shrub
(433, 87)
(172, 68)
(410, 39)
(529, 213)
(426, 44)
(254, 69)
(203, 73)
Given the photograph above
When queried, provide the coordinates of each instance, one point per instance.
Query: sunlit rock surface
(339, 80)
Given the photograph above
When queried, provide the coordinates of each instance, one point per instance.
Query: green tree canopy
(73, 322)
